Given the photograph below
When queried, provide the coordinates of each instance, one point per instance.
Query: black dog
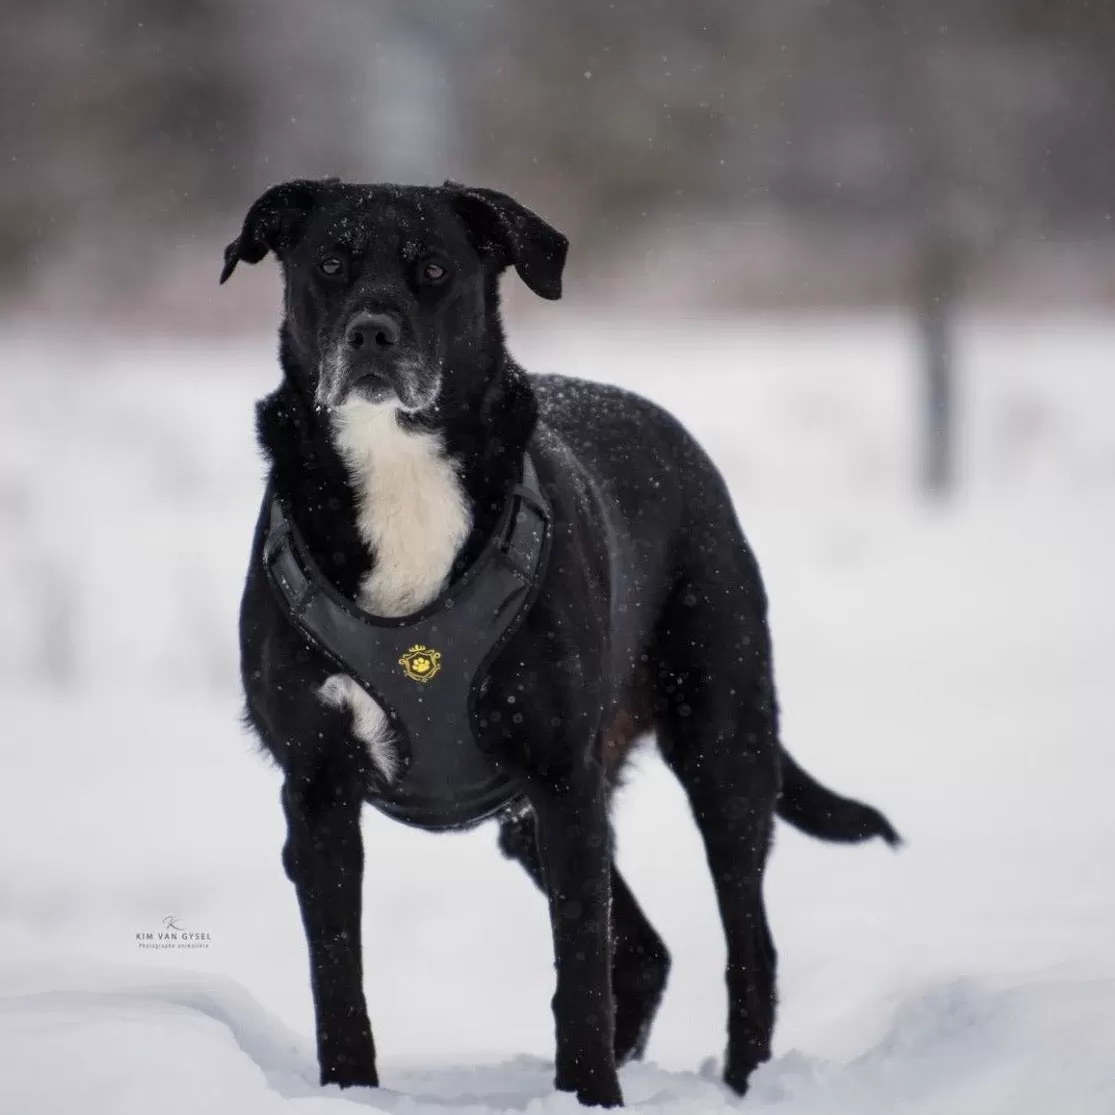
(397, 443)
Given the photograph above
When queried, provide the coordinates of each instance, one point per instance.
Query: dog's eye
(433, 272)
(331, 266)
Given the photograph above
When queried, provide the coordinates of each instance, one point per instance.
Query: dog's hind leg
(717, 730)
(640, 961)
(640, 967)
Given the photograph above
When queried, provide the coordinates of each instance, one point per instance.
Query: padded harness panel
(427, 670)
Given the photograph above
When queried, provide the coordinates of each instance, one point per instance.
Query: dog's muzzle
(371, 362)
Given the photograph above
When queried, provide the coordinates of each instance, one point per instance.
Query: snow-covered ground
(953, 666)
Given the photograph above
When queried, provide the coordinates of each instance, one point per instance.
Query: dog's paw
(738, 1077)
(598, 1089)
(350, 1080)
(600, 1097)
(349, 1072)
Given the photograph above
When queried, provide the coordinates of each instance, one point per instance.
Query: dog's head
(390, 289)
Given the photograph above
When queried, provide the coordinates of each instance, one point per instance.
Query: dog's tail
(817, 811)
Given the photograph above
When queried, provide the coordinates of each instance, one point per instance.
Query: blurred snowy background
(865, 251)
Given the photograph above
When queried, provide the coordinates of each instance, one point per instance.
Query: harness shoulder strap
(530, 521)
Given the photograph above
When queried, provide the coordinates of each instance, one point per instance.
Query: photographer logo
(173, 934)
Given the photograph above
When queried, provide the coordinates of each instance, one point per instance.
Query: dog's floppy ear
(511, 233)
(275, 221)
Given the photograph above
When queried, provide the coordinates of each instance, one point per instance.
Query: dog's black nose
(375, 331)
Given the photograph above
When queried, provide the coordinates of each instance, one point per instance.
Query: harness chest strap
(426, 670)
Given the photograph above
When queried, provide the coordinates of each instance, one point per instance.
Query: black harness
(427, 670)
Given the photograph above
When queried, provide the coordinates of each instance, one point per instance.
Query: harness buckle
(277, 535)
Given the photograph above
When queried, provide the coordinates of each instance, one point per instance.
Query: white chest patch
(411, 507)
(412, 513)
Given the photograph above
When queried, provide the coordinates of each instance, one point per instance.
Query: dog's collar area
(426, 670)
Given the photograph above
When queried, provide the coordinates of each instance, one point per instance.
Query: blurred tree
(933, 136)
(139, 123)
(950, 130)
(971, 102)
(117, 117)
(609, 111)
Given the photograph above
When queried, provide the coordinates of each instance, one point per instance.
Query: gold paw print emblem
(420, 663)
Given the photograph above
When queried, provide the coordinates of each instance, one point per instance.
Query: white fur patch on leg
(369, 723)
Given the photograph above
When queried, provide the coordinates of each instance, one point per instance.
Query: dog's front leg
(324, 858)
(573, 844)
